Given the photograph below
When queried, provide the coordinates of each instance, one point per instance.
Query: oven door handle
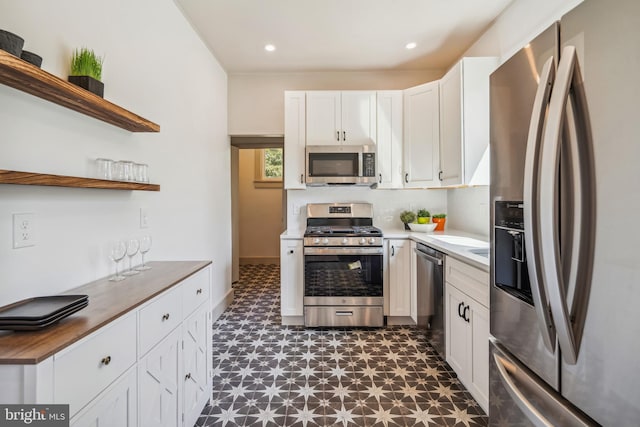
(343, 251)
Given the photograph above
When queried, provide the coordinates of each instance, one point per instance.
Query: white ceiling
(331, 35)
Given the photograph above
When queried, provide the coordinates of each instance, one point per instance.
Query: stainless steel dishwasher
(430, 295)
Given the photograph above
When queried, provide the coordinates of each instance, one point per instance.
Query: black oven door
(343, 276)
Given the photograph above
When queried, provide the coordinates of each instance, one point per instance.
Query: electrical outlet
(144, 218)
(24, 234)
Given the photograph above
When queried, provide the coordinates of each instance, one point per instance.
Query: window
(268, 168)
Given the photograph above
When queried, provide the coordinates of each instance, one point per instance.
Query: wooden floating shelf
(28, 78)
(30, 178)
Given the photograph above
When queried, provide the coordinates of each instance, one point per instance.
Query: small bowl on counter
(422, 228)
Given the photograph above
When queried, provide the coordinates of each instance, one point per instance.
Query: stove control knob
(363, 241)
(325, 241)
(316, 241)
(372, 240)
(345, 241)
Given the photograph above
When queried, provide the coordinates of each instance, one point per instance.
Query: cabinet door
(451, 126)
(291, 277)
(196, 364)
(116, 406)
(358, 117)
(294, 140)
(422, 136)
(323, 118)
(158, 379)
(389, 138)
(458, 333)
(399, 277)
(480, 361)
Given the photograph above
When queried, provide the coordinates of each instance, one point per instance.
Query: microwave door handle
(532, 172)
(568, 326)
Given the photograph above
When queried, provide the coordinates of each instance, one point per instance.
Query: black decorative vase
(88, 83)
(31, 58)
(11, 43)
(406, 226)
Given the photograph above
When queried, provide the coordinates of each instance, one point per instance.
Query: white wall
(256, 100)
(155, 66)
(260, 214)
(387, 204)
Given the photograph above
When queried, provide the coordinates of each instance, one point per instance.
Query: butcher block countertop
(107, 301)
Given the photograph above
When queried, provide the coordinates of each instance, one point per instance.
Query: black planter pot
(31, 58)
(88, 83)
(11, 43)
(406, 226)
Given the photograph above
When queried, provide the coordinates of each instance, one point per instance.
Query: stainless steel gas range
(343, 259)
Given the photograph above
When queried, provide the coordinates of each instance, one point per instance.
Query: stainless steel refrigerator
(565, 192)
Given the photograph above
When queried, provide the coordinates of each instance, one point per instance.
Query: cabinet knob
(199, 291)
(106, 360)
(165, 317)
(406, 178)
(188, 376)
(290, 251)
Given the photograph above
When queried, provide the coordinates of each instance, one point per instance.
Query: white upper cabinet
(335, 117)
(389, 133)
(294, 140)
(422, 136)
(464, 121)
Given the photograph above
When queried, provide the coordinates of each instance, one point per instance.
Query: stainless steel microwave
(341, 165)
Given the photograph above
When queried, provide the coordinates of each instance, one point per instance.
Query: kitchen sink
(483, 252)
(462, 241)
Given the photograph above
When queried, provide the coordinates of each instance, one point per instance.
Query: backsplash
(387, 204)
(468, 210)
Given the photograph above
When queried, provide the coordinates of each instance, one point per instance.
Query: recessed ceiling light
(269, 48)
(411, 45)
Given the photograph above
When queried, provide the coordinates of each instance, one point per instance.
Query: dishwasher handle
(436, 261)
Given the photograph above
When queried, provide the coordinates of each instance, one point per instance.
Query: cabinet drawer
(470, 280)
(195, 291)
(84, 369)
(160, 317)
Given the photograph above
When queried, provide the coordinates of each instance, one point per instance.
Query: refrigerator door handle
(532, 173)
(569, 325)
(524, 390)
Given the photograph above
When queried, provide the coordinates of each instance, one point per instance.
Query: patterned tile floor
(266, 374)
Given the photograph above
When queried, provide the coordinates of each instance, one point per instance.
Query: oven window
(333, 164)
(343, 275)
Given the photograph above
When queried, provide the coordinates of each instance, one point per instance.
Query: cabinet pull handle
(301, 179)
(165, 317)
(106, 360)
(464, 314)
(406, 178)
(344, 135)
(380, 180)
(393, 250)
(337, 135)
(188, 376)
(440, 176)
(199, 291)
(460, 308)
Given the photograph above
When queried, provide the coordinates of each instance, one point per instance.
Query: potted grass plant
(86, 71)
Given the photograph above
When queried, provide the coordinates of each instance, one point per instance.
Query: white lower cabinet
(399, 267)
(196, 339)
(116, 406)
(291, 279)
(467, 327)
(158, 394)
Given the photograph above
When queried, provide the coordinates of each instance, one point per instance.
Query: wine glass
(145, 246)
(132, 249)
(117, 251)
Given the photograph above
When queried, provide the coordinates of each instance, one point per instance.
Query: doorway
(257, 201)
